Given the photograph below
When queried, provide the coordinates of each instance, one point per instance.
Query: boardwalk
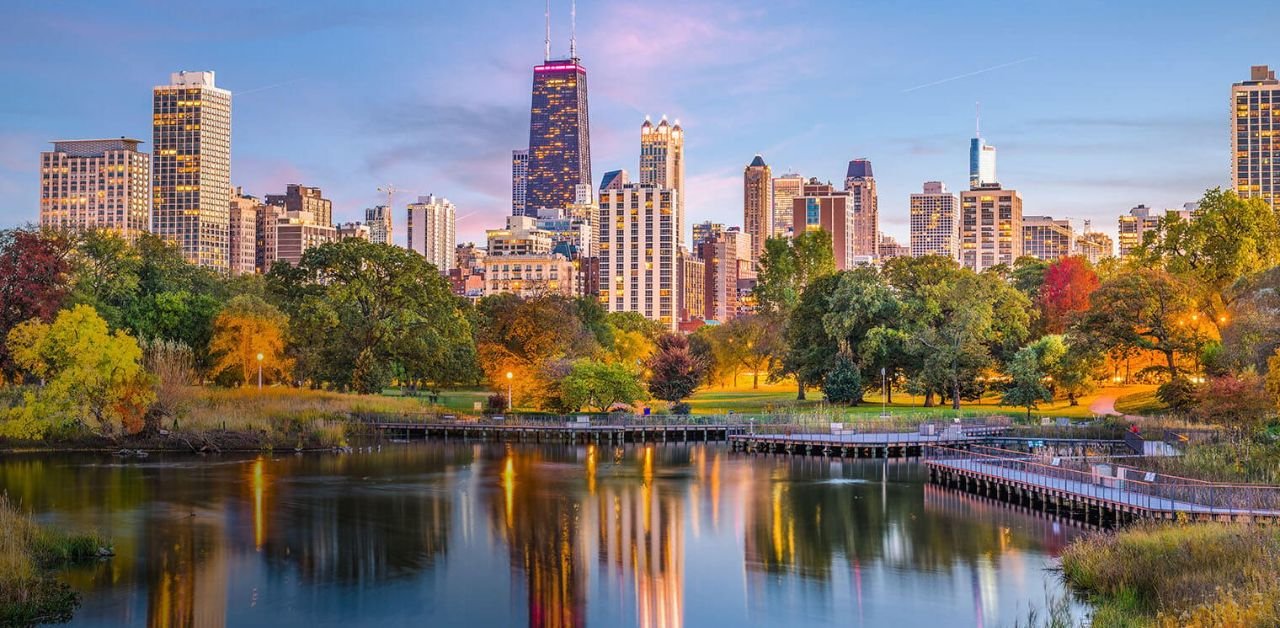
(872, 444)
(1096, 491)
(566, 431)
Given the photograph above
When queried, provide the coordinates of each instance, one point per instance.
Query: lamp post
(509, 400)
(259, 371)
(884, 388)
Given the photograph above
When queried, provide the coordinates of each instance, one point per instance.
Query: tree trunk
(755, 379)
(1173, 369)
(955, 394)
(799, 390)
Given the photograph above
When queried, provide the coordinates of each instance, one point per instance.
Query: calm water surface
(541, 535)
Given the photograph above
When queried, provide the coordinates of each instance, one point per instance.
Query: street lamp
(259, 371)
(509, 376)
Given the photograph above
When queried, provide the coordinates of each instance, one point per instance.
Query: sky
(1094, 106)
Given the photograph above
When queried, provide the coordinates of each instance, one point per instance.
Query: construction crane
(390, 190)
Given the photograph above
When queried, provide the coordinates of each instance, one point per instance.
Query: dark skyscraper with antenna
(559, 131)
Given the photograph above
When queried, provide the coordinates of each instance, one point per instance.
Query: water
(466, 534)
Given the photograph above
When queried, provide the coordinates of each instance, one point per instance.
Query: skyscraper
(96, 184)
(639, 252)
(614, 180)
(559, 134)
(757, 204)
(300, 198)
(1255, 136)
(191, 167)
(990, 228)
(519, 180)
(1047, 239)
(662, 157)
(935, 222)
(786, 188)
(982, 161)
(242, 233)
(860, 183)
(432, 231)
(821, 207)
(379, 220)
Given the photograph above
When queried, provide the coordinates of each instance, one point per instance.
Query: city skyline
(914, 107)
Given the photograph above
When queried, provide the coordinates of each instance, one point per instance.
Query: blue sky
(1095, 106)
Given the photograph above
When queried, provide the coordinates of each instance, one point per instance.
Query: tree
(1028, 276)
(788, 266)
(89, 372)
(1273, 378)
(843, 383)
(1179, 394)
(353, 297)
(600, 385)
(674, 371)
(632, 337)
(1238, 402)
(1028, 371)
(33, 282)
(861, 302)
(1145, 309)
(810, 350)
(1065, 292)
(526, 336)
(246, 328)
(746, 342)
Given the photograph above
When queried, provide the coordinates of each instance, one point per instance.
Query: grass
(1143, 403)
(1208, 574)
(29, 594)
(1245, 462)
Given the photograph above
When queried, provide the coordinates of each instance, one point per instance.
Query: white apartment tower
(432, 230)
(639, 252)
(191, 167)
(1255, 136)
(935, 222)
(96, 184)
(519, 180)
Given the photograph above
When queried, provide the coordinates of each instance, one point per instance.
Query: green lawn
(456, 400)
(1140, 403)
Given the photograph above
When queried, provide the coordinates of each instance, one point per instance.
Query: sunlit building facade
(639, 252)
(662, 157)
(821, 207)
(1094, 246)
(786, 189)
(519, 180)
(757, 204)
(191, 167)
(301, 198)
(529, 275)
(379, 220)
(96, 184)
(1255, 136)
(520, 237)
(860, 184)
(1047, 239)
(693, 271)
(990, 228)
(432, 230)
(243, 233)
(559, 135)
(935, 222)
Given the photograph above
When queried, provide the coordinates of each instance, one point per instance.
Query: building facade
(268, 216)
(359, 231)
(519, 180)
(692, 305)
(662, 157)
(822, 207)
(726, 258)
(243, 233)
(990, 228)
(297, 232)
(935, 222)
(529, 275)
(432, 230)
(1094, 246)
(786, 189)
(301, 198)
(379, 220)
(191, 167)
(757, 204)
(521, 237)
(982, 164)
(1255, 136)
(638, 252)
(96, 184)
(1047, 239)
(559, 134)
(860, 184)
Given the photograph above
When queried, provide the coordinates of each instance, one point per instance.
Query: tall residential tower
(96, 184)
(559, 135)
(860, 183)
(757, 204)
(1255, 136)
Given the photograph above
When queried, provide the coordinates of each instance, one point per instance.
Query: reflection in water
(543, 535)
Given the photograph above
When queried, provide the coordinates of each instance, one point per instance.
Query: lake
(491, 534)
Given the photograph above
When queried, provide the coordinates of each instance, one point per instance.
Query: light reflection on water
(540, 535)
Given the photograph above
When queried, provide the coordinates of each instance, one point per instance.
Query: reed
(29, 594)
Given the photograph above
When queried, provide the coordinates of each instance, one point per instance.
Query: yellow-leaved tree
(248, 327)
(90, 375)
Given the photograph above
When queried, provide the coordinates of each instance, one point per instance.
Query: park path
(1105, 404)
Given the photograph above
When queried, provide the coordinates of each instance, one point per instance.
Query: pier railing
(577, 419)
(859, 429)
(1103, 479)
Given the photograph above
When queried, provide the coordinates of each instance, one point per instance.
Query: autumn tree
(1146, 309)
(92, 376)
(674, 371)
(248, 334)
(746, 343)
(33, 282)
(1239, 403)
(1065, 291)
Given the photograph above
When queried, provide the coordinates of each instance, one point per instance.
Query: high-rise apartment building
(519, 180)
(432, 230)
(693, 270)
(1132, 228)
(891, 248)
(1047, 239)
(726, 258)
(639, 252)
(935, 222)
(96, 184)
(268, 218)
(379, 220)
(822, 207)
(662, 157)
(520, 237)
(757, 204)
(614, 180)
(990, 228)
(982, 162)
(300, 198)
(1255, 136)
(786, 189)
(860, 183)
(191, 167)
(1093, 245)
(296, 232)
(559, 134)
(706, 230)
(529, 275)
(242, 241)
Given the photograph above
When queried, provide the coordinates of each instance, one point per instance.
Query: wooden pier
(877, 444)
(546, 431)
(1094, 491)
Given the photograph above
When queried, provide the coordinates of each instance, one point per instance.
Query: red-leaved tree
(1068, 283)
(33, 282)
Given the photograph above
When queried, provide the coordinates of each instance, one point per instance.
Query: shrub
(843, 384)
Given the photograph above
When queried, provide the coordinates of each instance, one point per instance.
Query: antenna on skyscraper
(546, 44)
(573, 29)
(977, 119)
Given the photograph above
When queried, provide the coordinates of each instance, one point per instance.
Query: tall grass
(1179, 575)
(1247, 462)
(28, 593)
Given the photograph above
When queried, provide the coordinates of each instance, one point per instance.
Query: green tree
(810, 351)
(746, 342)
(788, 266)
(1029, 373)
(843, 383)
(91, 375)
(600, 385)
(1146, 309)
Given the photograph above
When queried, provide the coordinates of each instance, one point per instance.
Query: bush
(497, 402)
(681, 408)
(1178, 394)
(844, 383)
